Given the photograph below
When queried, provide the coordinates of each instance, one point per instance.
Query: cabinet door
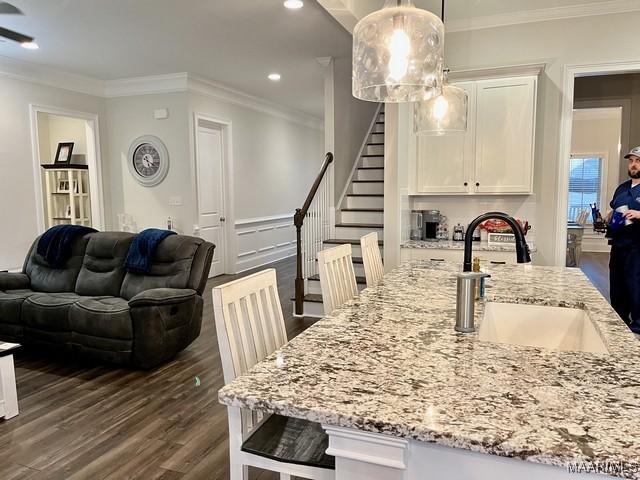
(505, 135)
(445, 163)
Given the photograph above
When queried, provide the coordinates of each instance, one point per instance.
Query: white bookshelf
(67, 195)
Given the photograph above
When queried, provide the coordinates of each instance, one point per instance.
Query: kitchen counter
(452, 245)
(390, 362)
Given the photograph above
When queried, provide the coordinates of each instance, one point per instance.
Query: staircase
(359, 212)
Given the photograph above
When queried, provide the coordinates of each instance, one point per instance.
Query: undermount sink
(555, 328)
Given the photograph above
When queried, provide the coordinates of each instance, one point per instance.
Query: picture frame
(63, 186)
(63, 153)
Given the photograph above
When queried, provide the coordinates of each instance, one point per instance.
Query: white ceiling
(467, 9)
(233, 42)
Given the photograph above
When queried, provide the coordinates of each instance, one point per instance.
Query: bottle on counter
(476, 235)
(479, 290)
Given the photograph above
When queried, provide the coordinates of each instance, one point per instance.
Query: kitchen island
(404, 396)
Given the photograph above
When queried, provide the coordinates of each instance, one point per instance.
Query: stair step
(380, 210)
(341, 241)
(375, 143)
(379, 123)
(372, 155)
(359, 279)
(365, 194)
(312, 297)
(359, 225)
(368, 181)
(372, 168)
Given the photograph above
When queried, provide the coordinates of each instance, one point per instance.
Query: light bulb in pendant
(440, 107)
(399, 48)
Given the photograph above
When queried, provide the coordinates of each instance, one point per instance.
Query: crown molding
(147, 85)
(543, 15)
(222, 92)
(42, 75)
(526, 70)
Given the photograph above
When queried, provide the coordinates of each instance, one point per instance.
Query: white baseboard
(264, 240)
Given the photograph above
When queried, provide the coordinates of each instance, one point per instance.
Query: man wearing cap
(624, 262)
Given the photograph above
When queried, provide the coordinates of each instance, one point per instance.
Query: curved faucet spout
(522, 249)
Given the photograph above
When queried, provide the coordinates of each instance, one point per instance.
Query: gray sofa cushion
(171, 267)
(45, 278)
(103, 266)
(11, 305)
(49, 311)
(102, 317)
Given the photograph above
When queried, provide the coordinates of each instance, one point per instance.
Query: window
(585, 185)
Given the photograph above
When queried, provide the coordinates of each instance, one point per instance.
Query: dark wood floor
(99, 422)
(596, 267)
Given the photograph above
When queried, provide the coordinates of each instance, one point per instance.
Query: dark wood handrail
(298, 221)
(298, 218)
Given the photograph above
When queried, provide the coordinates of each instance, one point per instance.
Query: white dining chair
(250, 327)
(371, 258)
(337, 277)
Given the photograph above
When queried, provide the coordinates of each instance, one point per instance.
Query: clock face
(146, 160)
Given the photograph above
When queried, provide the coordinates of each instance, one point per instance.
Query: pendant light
(444, 114)
(398, 54)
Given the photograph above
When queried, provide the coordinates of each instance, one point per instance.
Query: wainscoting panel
(264, 240)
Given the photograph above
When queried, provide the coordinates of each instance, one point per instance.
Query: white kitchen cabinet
(446, 164)
(495, 155)
(487, 257)
(505, 120)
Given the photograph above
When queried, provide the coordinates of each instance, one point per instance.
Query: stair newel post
(298, 219)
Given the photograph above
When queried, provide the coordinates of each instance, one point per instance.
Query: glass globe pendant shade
(398, 54)
(442, 115)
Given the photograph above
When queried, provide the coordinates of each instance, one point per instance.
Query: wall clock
(148, 160)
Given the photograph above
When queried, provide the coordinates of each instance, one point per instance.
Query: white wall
(597, 132)
(275, 161)
(352, 118)
(18, 223)
(130, 117)
(65, 129)
(582, 40)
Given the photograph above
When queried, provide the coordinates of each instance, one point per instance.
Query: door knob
(223, 219)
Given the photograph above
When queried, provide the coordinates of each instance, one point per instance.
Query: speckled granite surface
(451, 245)
(390, 362)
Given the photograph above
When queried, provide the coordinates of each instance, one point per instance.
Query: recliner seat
(95, 308)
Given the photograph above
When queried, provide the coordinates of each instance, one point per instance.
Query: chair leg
(237, 471)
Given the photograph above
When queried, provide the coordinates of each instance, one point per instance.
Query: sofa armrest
(165, 321)
(14, 281)
(162, 296)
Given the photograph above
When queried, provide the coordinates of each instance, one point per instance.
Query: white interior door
(209, 169)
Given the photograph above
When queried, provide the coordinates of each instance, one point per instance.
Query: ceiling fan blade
(7, 8)
(15, 36)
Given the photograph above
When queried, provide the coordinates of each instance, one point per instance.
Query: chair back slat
(371, 258)
(337, 277)
(249, 321)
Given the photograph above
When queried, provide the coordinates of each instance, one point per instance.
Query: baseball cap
(634, 151)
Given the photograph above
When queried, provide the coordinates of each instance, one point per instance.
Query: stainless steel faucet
(465, 293)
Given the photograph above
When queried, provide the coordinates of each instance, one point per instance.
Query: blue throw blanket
(55, 244)
(143, 249)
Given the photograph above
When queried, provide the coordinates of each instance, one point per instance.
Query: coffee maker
(430, 221)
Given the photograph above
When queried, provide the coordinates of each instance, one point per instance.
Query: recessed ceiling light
(274, 77)
(293, 4)
(30, 45)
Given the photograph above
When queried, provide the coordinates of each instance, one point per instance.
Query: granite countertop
(390, 362)
(452, 245)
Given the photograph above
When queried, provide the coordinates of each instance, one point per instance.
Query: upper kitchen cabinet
(495, 155)
(505, 122)
(445, 162)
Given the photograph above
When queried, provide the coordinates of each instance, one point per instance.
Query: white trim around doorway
(94, 162)
(227, 181)
(571, 72)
